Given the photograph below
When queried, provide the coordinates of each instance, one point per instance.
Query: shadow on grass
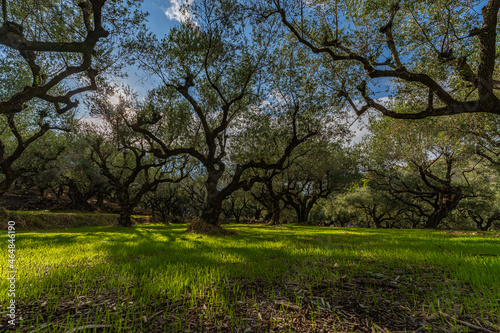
(167, 258)
(152, 265)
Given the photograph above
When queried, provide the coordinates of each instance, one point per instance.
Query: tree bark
(78, 199)
(302, 211)
(257, 214)
(211, 212)
(6, 183)
(378, 223)
(305, 212)
(127, 205)
(276, 213)
(209, 222)
(213, 204)
(124, 219)
(448, 203)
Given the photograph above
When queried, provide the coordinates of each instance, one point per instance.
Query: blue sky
(163, 15)
(158, 21)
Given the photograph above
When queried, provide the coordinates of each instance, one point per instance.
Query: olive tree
(323, 170)
(442, 52)
(124, 157)
(57, 42)
(51, 52)
(228, 100)
(422, 165)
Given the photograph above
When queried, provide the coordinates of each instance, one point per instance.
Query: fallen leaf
(286, 305)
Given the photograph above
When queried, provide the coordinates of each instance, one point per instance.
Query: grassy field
(156, 278)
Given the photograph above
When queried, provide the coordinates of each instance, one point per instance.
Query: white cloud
(179, 11)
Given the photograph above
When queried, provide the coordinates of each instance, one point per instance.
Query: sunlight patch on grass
(154, 264)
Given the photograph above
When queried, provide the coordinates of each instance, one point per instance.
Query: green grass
(157, 278)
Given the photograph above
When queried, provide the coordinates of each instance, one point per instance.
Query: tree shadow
(169, 259)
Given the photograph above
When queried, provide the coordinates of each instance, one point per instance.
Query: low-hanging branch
(482, 79)
(12, 36)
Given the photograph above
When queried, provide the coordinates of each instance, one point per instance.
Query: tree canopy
(441, 54)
